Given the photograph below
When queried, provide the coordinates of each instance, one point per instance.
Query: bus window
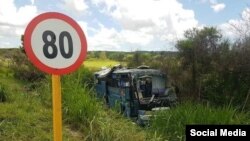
(145, 86)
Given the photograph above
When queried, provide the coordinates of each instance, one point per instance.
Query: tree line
(207, 67)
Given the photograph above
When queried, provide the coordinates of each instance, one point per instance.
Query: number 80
(51, 44)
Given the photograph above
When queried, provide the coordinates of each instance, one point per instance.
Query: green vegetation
(24, 118)
(96, 64)
(207, 67)
(23, 115)
(83, 112)
(171, 123)
(27, 113)
(217, 71)
(22, 67)
(2, 93)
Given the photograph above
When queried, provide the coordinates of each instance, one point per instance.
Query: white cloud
(218, 7)
(13, 21)
(213, 1)
(143, 21)
(111, 39)
(135, 37)
(84, 26)
(104, 39)
(237, 28)
(9, 14)
(246, 14)
(32, 2)
(242, 26)
(76, 5)
(227, 31)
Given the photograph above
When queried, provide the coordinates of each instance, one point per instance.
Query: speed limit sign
(55, 43)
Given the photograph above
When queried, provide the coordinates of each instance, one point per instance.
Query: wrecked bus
(136, 92)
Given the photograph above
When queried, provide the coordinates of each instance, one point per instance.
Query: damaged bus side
(136, 91)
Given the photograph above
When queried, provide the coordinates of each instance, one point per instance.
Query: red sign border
(29, 51)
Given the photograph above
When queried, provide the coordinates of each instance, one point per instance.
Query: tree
(136, 59)
(103, 55)
(241, 56)
(196, 52)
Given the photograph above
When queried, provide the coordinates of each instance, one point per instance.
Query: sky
(126, 25)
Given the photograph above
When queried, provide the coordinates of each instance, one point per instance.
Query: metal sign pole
(57, 110)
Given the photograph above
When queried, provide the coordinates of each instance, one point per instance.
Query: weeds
(84, 112)
(171, 124)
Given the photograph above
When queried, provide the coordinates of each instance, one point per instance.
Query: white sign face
(55, 43)
(42, 37)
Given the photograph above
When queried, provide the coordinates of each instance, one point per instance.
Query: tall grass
(90, 116)
(83, 112)
(22, 116)
(171, 124)
(2, 93)
(79, 104)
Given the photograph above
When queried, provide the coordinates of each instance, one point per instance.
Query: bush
(2, 93)
(226, 88)
(23, 69)
(85, 76)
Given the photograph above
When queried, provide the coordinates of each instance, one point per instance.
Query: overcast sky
(125, 25)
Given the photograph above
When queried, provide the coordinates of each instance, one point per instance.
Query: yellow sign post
(55, 44)
(57, 110)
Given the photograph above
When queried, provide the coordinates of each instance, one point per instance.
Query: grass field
(97, 64)
(24, 116)
(171, 124)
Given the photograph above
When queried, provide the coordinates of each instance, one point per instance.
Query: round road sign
(55, 43)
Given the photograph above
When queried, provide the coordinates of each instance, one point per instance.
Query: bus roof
(137, 71)
(134, 71)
